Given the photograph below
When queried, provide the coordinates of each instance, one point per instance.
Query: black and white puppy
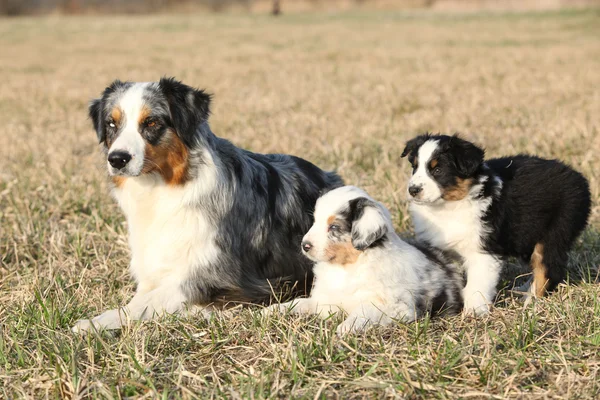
(208, 222)
(365, 269)
(522, 206)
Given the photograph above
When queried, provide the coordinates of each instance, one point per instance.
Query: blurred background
(22, 7)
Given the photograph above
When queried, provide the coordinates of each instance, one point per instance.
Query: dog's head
(149, 127)
(444, 167)
(347, 223)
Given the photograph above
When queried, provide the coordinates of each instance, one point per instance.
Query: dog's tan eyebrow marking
(330, 219)
(433, 163)
(116, 115)
(144, 113)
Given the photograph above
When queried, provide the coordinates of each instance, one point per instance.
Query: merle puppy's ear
(467, 155)
(96, 109)
(368, 223)
(189, 107)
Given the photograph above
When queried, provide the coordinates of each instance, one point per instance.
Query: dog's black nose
(306, 246)
(414, 190)
(119, 159)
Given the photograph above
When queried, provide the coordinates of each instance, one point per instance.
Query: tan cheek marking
(540, 280)
(170, 158)
(458, 191)
(342, 253)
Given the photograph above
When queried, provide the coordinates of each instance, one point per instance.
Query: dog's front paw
(83, 326)
(111, 319)
(476, 306)
(352, 326)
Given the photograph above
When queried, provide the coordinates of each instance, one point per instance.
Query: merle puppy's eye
(111, 123)
(333, 228)
(437, 170)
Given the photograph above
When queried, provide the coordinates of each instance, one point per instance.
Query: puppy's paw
(352, 326)
(83, 326)
(477, 308)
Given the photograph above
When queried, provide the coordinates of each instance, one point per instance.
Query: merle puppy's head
(347, 222)
(149, 127)
(444, 167)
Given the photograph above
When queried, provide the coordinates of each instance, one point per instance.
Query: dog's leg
(297, 306)
(363, 317)
(167, 299)
(483, 273)
(367, 315)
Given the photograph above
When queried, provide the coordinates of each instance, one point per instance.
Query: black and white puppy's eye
(333, 228)
(437, 171)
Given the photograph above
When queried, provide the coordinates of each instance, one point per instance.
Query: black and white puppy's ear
(412, 147)
(189, 107)
(96, 110)
(369, 224)
(468, 156)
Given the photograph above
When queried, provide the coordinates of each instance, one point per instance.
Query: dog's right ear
(188, 107)
(369, 224)
(95, 112)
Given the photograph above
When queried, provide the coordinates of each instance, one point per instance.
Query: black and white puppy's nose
(414, 190)
(119, 159)
(306, 246)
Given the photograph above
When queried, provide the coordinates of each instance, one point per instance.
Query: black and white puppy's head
(149, 127)
(444, 167)
(347, 223)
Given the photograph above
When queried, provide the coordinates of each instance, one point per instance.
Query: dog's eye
(111, 124)
(437, 170)
(333, 228)
(150, 123)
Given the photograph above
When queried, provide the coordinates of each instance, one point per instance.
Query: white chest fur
(167, 237)
(451, 225)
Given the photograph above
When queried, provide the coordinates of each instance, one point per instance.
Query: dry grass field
(344, 91)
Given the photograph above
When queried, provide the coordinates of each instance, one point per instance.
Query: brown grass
(342, 90)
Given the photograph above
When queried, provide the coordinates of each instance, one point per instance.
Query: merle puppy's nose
(119, 159)
(306, 246)
(414, 190)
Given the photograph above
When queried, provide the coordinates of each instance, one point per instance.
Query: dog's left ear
(368, 223)
(468, 156)
(188, 107)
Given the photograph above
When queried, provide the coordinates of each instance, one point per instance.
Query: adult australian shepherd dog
(209, 223)
(521, 206)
